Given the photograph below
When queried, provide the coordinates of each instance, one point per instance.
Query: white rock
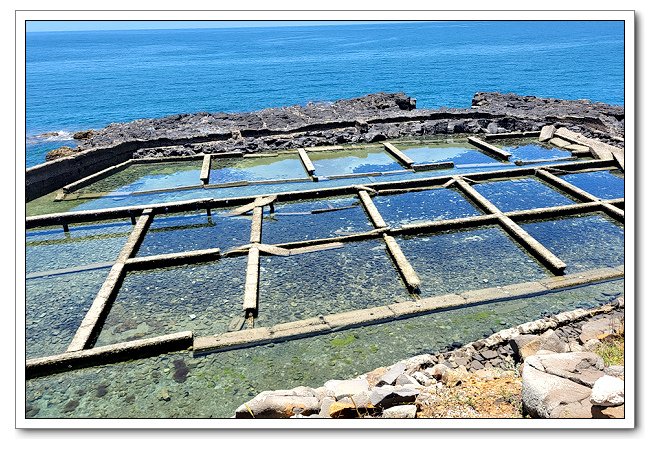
(608, 391)
(400, 411)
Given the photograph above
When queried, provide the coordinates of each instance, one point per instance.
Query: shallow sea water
(214, 385)
(350, 161)
(602, 184)
(282, 166)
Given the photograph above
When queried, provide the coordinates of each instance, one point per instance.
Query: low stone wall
(556, 346)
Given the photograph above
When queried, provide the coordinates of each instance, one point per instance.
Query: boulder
(437, 371)
(387, 396)
(392, 374)
(608, 391)
(405, 379)
(276, 406)
(599, 329)
(400, 411)
(422, 378)
(346, 388)
(453, 377)
(559, 385)
(547, 133)
(615, 371)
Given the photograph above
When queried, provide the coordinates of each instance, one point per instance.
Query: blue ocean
(88, 79)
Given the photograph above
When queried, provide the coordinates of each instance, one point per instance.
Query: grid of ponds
(151, 182)
(357, 272)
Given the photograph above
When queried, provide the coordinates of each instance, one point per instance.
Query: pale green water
(215, 384)
(282, 166)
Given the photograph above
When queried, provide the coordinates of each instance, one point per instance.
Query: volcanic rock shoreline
(371, 118)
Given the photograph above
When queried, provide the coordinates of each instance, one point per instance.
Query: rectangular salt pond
(55, 307)
(314, 219)
(189, 232)
(203, 298)
(356, 276)
(583, 242)
(531, 150)
(85, 244)
(520, 194)
(214, 385)
(347, 162)
(280, 167)
(458, 153)
(602, 184)
(455, 261)
(140, 177)
(427, 205)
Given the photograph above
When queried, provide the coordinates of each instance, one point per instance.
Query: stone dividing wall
(372, 118)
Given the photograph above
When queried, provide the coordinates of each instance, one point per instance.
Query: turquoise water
(55, 306)
(80, 80)
(256, 169)
(214, 385)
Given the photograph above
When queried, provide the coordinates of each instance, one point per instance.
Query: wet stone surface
(203, 298)
(358, 275)
(521, 194)
(214, 385)
(427, 205)
(453, 262)
(583, 242)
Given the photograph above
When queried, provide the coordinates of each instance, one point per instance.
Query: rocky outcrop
(372, 118)
(61, 152)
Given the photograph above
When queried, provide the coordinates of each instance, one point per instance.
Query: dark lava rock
(101, 390)
(71, 406)
(83, 135)
(181, 371)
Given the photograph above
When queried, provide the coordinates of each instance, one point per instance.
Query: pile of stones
(561, 377)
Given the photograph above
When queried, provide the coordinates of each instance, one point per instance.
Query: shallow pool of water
(53, 249)
(358, 275)
(314, 219)
(203, 298)
(602, 184)
(346, 162)
(281, 166)
(455, 261)
(583, 242)
(459, 155)
(427, 205)
(149, 176)
(531, 150)
(521, 194)
(55, 307)
(214, 385)
(189, 232)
